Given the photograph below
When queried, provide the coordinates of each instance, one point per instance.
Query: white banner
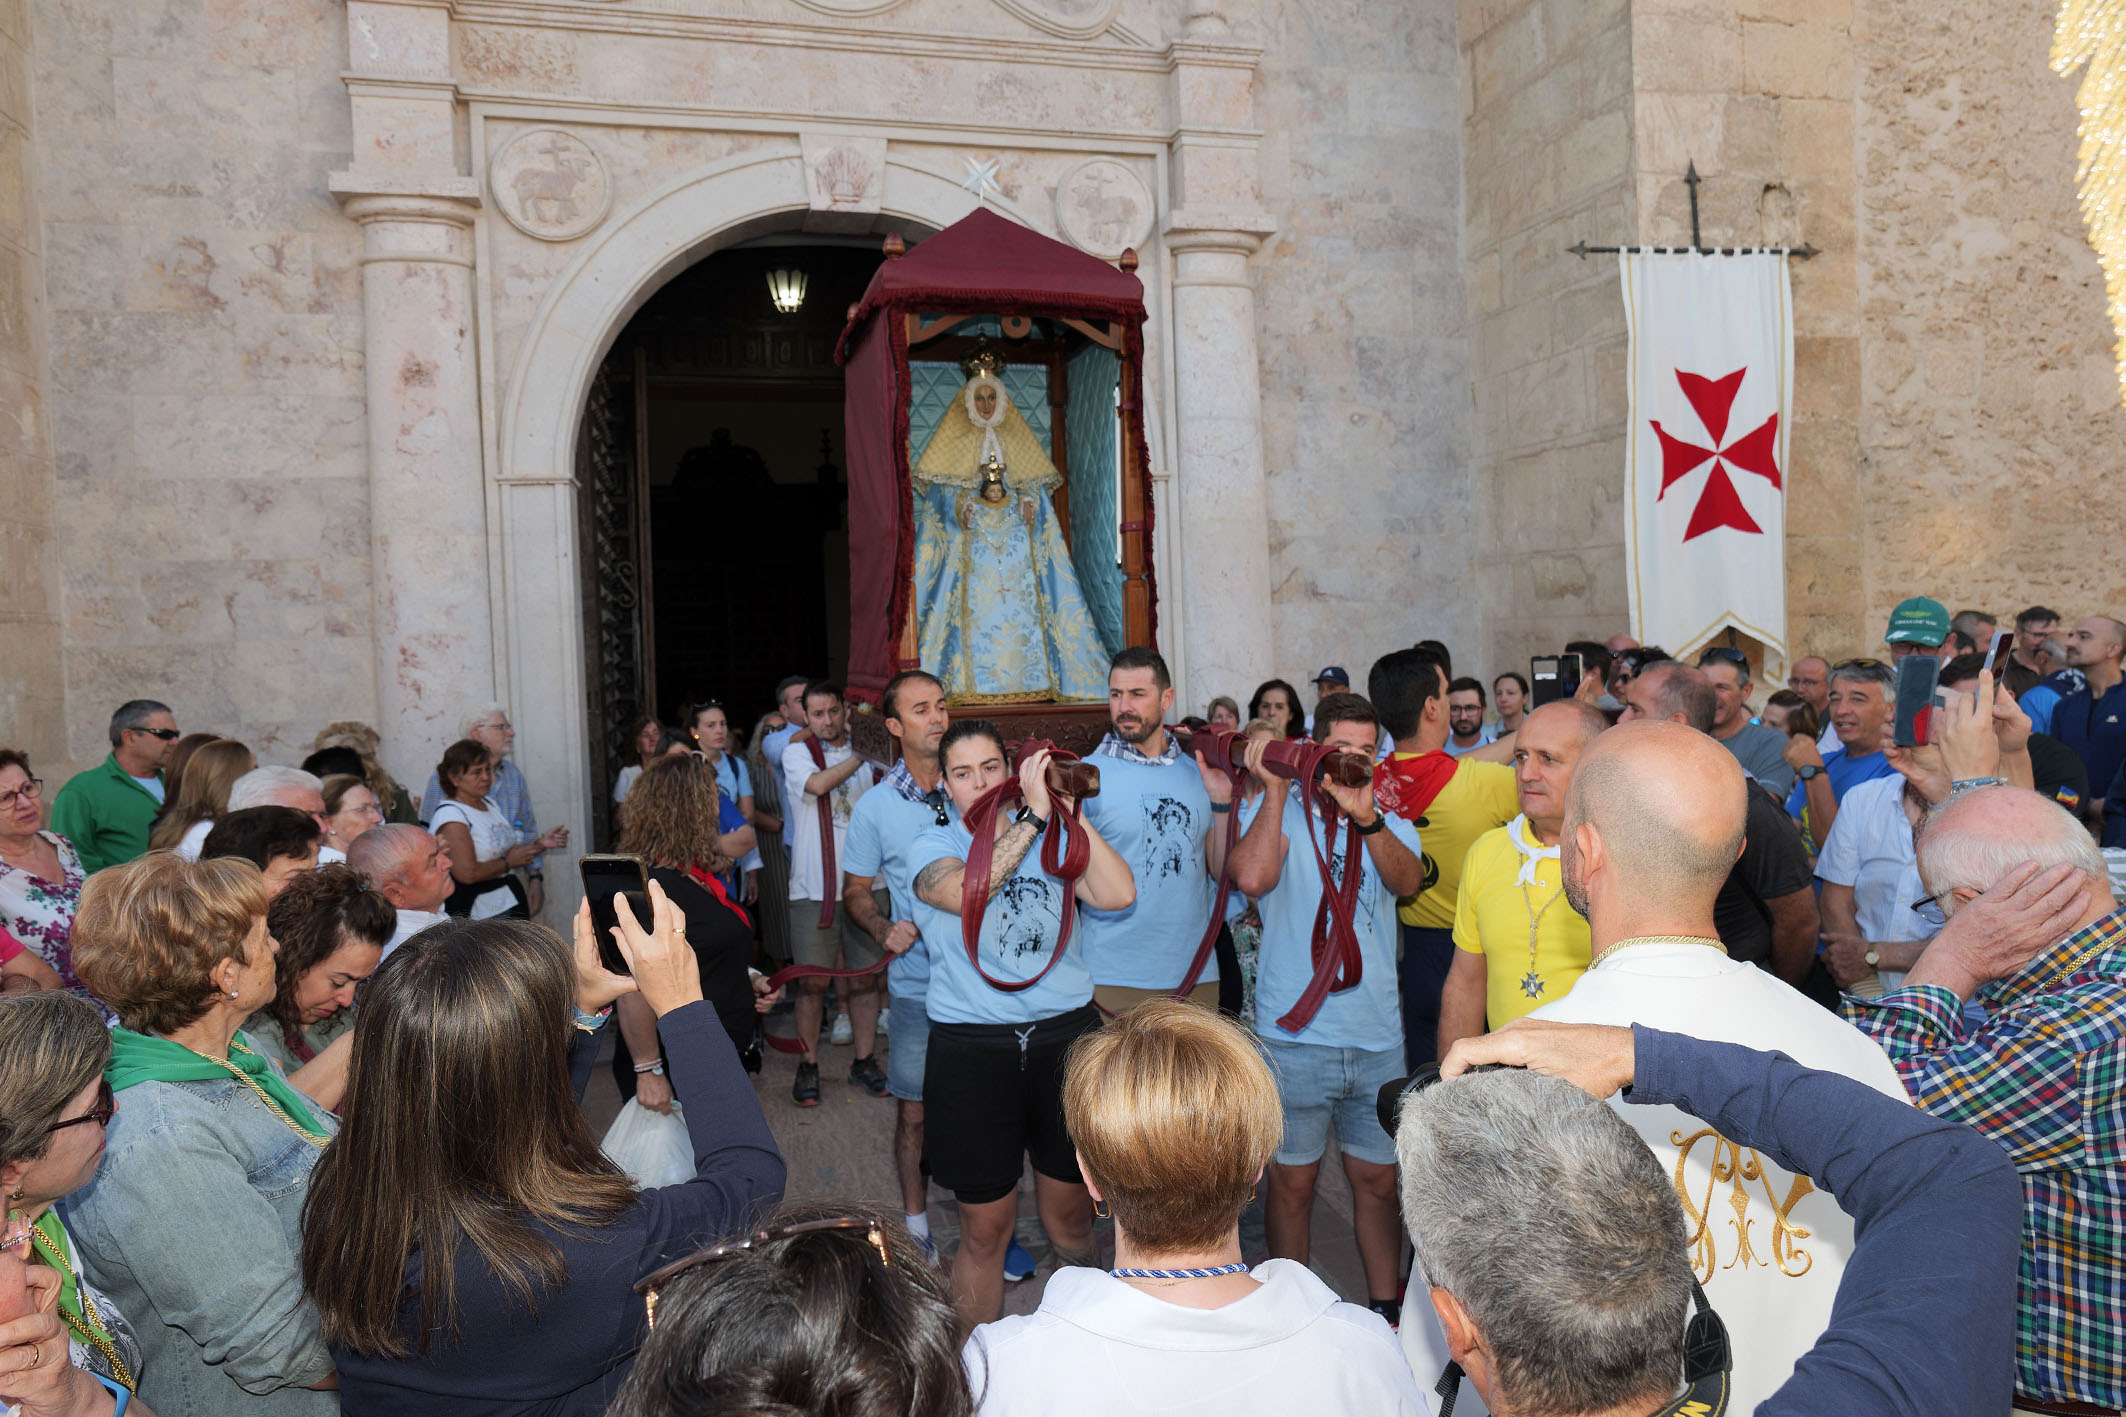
(1711, 374)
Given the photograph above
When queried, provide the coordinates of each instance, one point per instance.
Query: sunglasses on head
(649, 1288)
(1858, 664)
(1727, 655)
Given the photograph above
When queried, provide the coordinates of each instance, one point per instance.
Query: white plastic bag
(651, 1147)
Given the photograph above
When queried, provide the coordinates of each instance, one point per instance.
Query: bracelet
(1221, 807)
(591, 1023)
(654, 1067)
(1972, 784)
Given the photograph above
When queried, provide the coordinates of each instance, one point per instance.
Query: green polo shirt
(105, 813)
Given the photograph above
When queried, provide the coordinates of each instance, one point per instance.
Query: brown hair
(173, 772)
(313, 916)
(459, 758)
(673, 816)
(459, 1106)
(202, 790)
(335, 788)
(1174, 1113)
(148, 934)
(52, 1045)
(350, 733)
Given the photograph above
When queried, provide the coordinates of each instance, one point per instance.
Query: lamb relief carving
(550, 184)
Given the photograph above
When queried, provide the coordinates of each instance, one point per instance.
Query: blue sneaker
(1018, 1264)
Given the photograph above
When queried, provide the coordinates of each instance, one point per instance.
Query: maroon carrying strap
(1225, 749)
(1065, 853)
(827, 876)
(1338, 966)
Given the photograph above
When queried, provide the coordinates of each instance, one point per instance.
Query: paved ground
(842, 1149)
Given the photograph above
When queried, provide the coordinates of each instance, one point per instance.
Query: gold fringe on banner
(2093, 32)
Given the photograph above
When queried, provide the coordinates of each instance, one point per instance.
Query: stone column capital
(1239, 233)
(372, 197)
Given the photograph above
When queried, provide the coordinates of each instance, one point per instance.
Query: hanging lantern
(787, 289)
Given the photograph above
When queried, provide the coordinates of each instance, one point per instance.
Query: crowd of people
(1685, 1049)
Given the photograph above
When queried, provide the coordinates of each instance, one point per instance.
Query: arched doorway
(712, 486)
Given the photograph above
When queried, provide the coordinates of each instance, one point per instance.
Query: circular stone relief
(1103, 207)
(550, 184)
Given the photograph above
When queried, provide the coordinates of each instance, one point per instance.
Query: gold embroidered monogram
(1739, 1169)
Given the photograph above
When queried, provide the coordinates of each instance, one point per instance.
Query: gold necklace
(1532, 983)
(1656, 940)
(316, 1140)
(88, 1327)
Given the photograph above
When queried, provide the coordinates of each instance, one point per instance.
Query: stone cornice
(1204, 54)
(398, 86)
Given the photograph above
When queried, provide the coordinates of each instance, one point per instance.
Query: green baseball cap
(1918, 621)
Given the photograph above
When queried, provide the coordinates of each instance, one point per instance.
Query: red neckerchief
(714, 886)
(1408, 786)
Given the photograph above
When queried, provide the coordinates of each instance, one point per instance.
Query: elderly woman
(331, 929)
(54, 1108)
(397, 802)
(676, 832)
(191, 1224)
(497, 1275)
(1224, 712)
(350, 809)
(1175, 1114)
(201, 796)
(482, 843)
(40, 876)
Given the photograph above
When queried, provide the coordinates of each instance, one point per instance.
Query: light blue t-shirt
(1369, 1016)
(1018, 935)
(152, 786)
(2039, 704)
(1156, 818)
(733, 776)
(880, 843)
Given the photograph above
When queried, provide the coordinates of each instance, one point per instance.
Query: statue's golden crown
(984, 360)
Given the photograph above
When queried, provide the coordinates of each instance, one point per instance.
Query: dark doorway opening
(714, 497)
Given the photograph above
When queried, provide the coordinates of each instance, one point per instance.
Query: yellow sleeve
(1465, 932)
(1502, 796)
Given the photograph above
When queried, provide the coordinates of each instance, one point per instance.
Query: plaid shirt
(1114, 746)
(2045, 1078)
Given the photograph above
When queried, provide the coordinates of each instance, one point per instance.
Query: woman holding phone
(64, 1347)
(501, 1277)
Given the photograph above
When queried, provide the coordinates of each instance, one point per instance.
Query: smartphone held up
(604, 879)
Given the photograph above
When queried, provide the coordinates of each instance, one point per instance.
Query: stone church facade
(301, 302)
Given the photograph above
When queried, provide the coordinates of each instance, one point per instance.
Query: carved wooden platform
(1078, 727)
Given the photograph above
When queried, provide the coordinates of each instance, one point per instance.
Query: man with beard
(1165, 816)
(1653, 823)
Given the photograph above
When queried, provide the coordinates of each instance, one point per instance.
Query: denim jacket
(192, 1225)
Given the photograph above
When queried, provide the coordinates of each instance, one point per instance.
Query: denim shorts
(1318, 1084)
(907, 1049)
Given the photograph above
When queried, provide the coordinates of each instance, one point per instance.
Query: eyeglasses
(935, 797)
(35, 789)
(106, 1107)
(167, 735)
(650, 1288)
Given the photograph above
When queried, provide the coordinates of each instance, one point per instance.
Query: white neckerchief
(1531, 856)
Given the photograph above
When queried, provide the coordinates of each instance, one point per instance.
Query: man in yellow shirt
(1517, 944)
(1452, 801)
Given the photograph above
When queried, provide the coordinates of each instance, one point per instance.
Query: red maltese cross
(1718, 503)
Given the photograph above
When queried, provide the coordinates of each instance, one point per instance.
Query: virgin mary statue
(999, 615)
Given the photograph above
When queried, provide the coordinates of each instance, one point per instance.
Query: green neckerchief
(141, 1057)
(53, 1234)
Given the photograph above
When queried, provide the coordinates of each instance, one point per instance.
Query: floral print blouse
(40, 913)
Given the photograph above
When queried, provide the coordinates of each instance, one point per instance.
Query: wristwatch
(1808, 772)
(1380, 821)
(1026, 814)
(1871, 958)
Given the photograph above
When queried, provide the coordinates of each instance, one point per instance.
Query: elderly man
(1760, 750)
(1766, 913)
(275, 787)
(1863, 697)
(2033, 934)
(1517, 945)
(1653, 823)
(1570, 1300)
(410, 868)
(489, 726)
(106, 811)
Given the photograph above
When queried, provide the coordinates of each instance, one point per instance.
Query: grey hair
(1544, 1214)
(1955, 850)
(52, 1045)
(1874, 672)
(383, 853)
(133, 714)
(470, 719)
(261, 787)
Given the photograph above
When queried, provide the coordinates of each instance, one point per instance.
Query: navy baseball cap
(1334, 674)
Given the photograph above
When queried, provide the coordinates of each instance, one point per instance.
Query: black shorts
(993, 1097)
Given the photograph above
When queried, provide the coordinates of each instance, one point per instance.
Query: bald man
(2033, 933)
(1653, 822)
(2092, 719)
(1517, 944)
(410, 868)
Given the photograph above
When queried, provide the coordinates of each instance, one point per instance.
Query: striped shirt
(2045, 1078)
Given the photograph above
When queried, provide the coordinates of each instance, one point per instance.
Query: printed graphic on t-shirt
(1023, 917)
(1167, 835)
(844, 796)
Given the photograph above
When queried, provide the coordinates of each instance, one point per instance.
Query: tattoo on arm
(938, 884)
(1012, 846)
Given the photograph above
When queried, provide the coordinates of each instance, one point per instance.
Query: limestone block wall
(1547, 115)
(32, 690)
(206, 366)
(1364, 334)
(1993, 439)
